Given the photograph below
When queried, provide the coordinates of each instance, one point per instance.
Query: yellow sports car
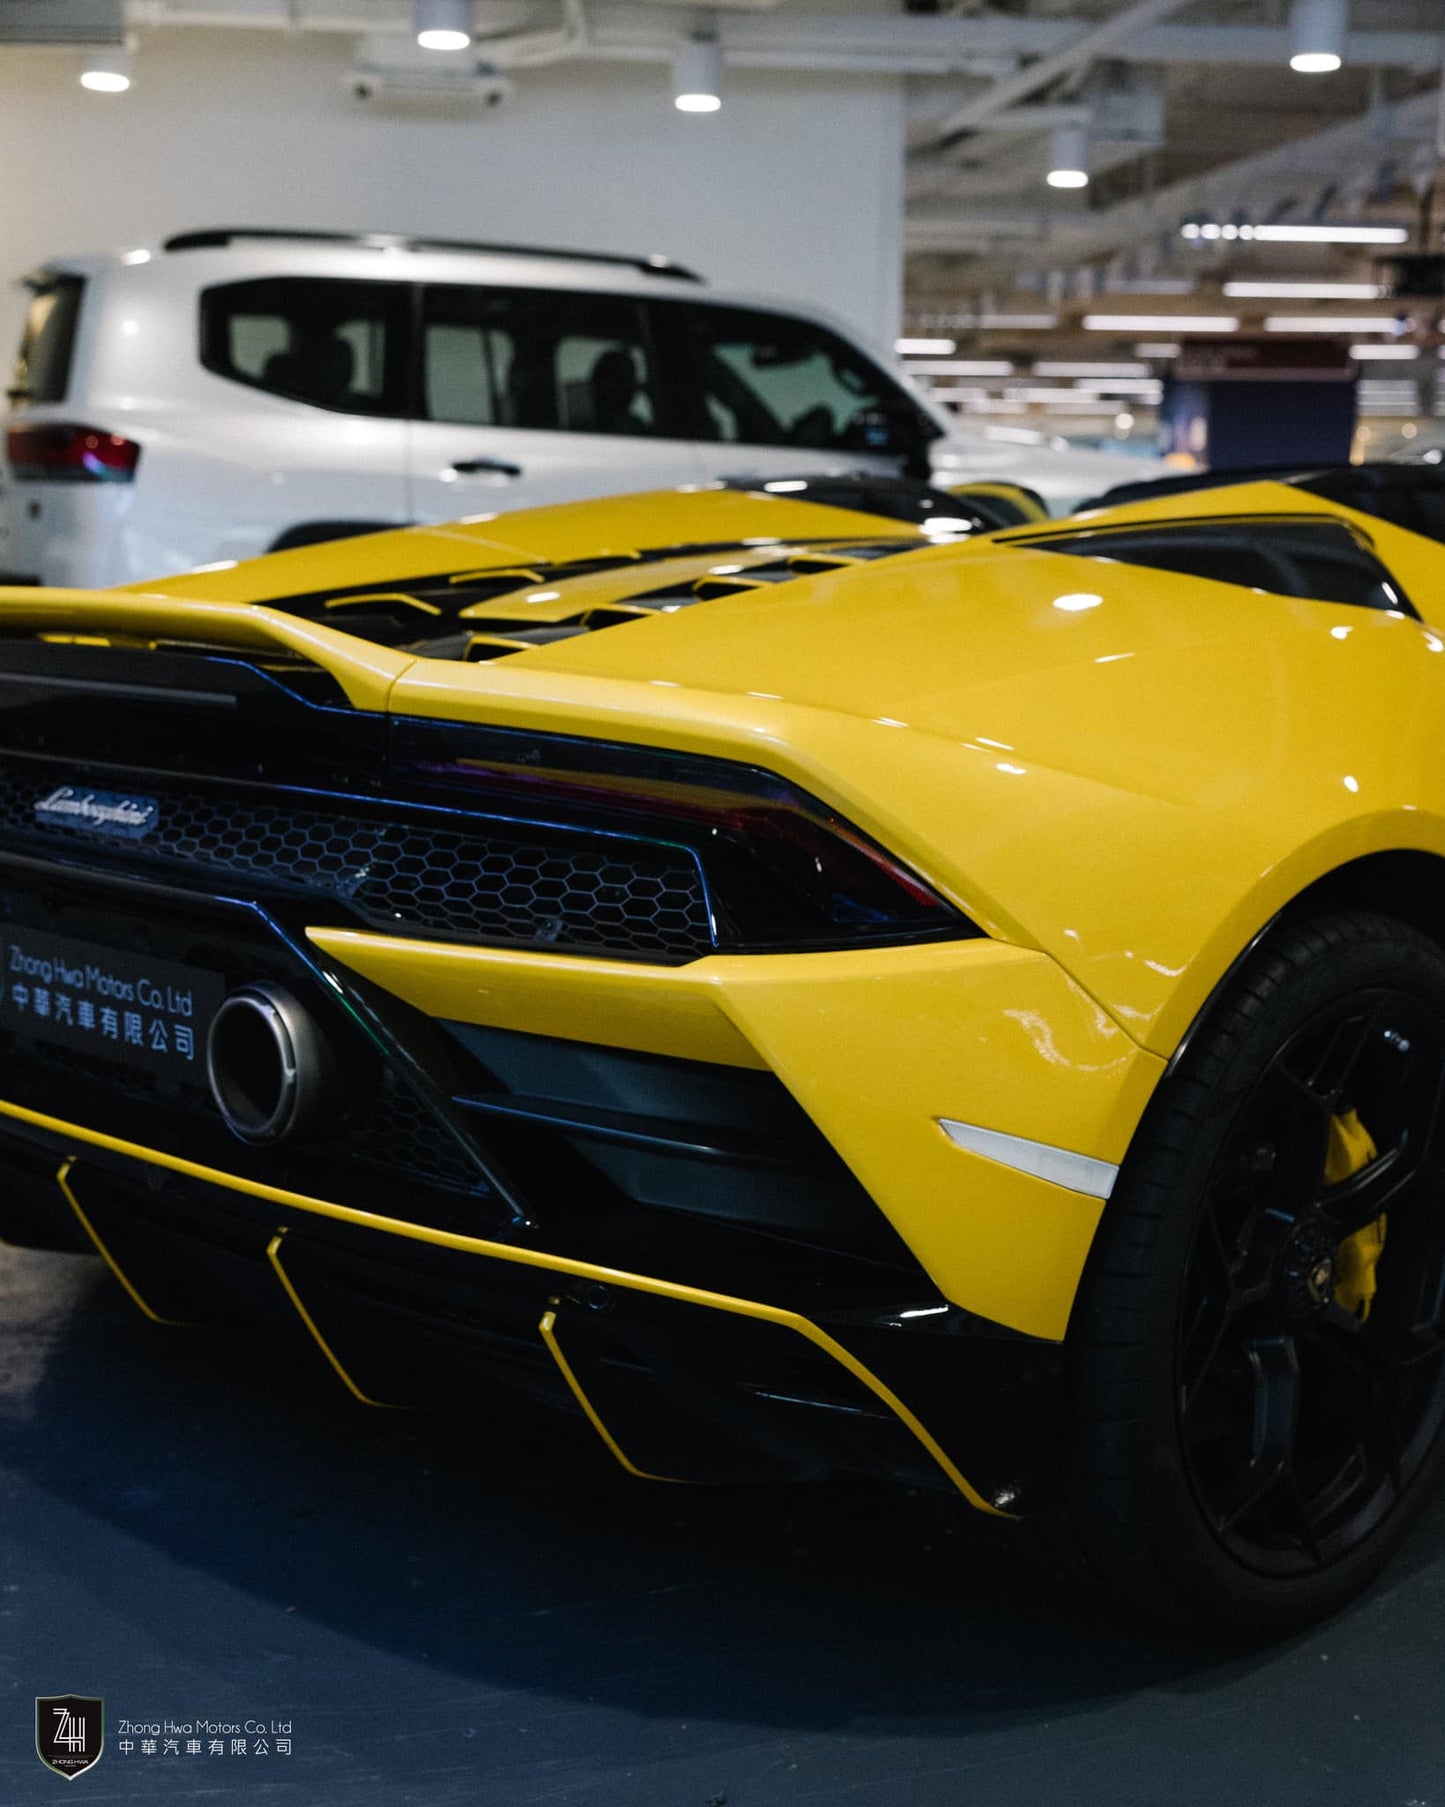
(793, 976)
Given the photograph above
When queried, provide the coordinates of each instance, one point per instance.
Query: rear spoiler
(365, 672)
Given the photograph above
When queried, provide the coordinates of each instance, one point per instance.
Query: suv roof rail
(214, 237)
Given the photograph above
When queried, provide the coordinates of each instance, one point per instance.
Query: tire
(1248, 1435)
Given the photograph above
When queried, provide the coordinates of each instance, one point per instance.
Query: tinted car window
(755, 378)
(538, 359)
(1321, 560)
(42, 366)
(335, 344)
(1410, 496)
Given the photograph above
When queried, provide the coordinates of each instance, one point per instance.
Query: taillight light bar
(61, 452)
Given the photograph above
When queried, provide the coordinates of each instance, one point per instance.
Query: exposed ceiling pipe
(861, 43)
(1257, 183)
(1077, 54)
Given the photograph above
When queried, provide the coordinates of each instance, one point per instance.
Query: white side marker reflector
(1079, 1172)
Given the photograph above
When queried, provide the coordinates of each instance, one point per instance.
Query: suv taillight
(56, 452)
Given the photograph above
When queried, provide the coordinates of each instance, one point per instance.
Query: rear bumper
(879, 1047)
(681, 1383)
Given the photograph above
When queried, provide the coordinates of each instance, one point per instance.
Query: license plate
(151, 1014)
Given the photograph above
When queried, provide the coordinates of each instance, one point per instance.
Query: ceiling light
(995, 404)
(1060, 398)
(106, 71)
(1384, 351)
(443, 24)
(1160, 323)
(1087, 367)
(697, 76)
(1340, 323)
(1151, 285)
(1157, 348)
(924, 348)
(1316, 36)
(1069, 157)
(1120, 385)
(1123, 422)
(1331, 235)
(962, 367)
(1303, 291)
(1011, 322)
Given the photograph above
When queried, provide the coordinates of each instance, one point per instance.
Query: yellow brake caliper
(1357, 1260)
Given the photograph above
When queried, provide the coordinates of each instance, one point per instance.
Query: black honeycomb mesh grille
(444, 876)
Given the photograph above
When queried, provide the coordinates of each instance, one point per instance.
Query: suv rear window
(333, 343)
(42, 365)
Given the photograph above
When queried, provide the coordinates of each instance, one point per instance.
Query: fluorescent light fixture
(1158, 348)
(1029, 323)
(1069, 157)
(924, 348)
(1088, 367)
(1160, 323)
(697, 76)
(138, 256)
(443, 24)
(1060, 398)
(1323, 323)
(1330, 235)
(962, 367)
(1303, 291)
(1316, 36)
(1152, 285)
(106, 71)
(1385, 351)
(1120, 385)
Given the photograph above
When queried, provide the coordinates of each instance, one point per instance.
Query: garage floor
(448, 1612)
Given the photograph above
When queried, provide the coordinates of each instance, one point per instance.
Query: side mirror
(895, 432)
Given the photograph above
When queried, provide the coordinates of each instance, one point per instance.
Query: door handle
(477, 467)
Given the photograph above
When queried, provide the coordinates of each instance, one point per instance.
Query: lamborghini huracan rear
(799, 988)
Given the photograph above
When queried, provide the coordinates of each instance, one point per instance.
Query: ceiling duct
(62, 22)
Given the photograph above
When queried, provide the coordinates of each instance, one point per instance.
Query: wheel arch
(1405, 883)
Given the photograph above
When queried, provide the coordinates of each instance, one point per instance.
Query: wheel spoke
(1373, 1192)
(1329, 1076)
(1274, 1362)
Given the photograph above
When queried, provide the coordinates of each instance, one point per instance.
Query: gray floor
(193, 1527)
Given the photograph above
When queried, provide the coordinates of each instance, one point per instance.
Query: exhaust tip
(267, 1063)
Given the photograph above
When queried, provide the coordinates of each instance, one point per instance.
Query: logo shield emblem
(69, 1733)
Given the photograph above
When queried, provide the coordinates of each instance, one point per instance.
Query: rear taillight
(57, 452)
(782, 870)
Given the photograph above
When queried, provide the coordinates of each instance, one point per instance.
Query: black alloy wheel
(1257, 1357)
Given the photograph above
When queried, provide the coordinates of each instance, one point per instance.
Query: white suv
(230, 391)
